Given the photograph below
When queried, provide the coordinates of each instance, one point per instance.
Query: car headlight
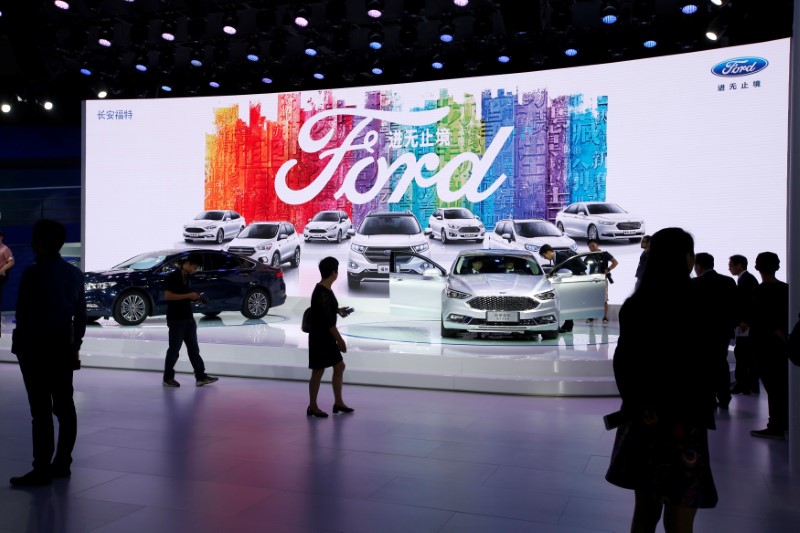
(452, 293)
(532, 247)
(573, 247)
(480, 225)
(546, 295)
(329, 228)
(420, 247)
(99, 285)
(358, 248)
(212, 227)
(452, 226)
(607, 222)
(263, 247)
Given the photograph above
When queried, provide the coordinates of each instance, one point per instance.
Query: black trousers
(722, 372)
(49, 388)
(773, 367)
(746, 373)
(182, 331)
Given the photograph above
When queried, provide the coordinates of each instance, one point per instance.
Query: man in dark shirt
(645, 244)
(769, 327)
(547, 253)
(718, 300)
(607, 264)
(180, 322)
(746, 374)
(51, 322)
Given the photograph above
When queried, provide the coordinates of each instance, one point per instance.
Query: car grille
(503, 303)
(320, 231)
(242, 250)
(194, 230)
(469, 229)
(381, 255)
(629, 225)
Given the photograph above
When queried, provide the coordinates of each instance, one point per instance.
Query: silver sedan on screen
(499, 291)
(602, 221)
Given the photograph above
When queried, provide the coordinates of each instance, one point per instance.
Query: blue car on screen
(134, 289)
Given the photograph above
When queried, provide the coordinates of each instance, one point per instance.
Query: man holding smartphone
(180, 322)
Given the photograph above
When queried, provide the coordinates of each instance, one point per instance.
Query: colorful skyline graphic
(551, 151)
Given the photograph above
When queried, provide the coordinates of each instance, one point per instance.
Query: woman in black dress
(325, 344)
(664, 370)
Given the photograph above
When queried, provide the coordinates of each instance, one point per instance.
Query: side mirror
(431, 273)
(506, 236)
(227, 219)
(351, 232)
(428, 231)
(282, 236)
(564, 274)
(438, 217)
(476, 217)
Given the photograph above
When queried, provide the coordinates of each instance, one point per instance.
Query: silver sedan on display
(602, 221)
(454, 224)
(328, 226)
(214, 225)
(499, 291)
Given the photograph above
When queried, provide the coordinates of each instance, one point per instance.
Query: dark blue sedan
(134, 290)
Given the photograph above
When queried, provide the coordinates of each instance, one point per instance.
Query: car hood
(555, 242)
(321, 225)
(110, 275)
(618, 217)
(244, 241)
(389, 240)
(202, 223)
(500, 284)
(462, 221)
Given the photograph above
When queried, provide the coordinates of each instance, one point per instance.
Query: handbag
(305, 325)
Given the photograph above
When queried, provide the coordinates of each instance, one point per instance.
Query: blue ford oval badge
(739, 66)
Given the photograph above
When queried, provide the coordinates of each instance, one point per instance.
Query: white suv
(378, 235)
(455, 223)
(214, 225)
(268, 242)
(327, 226)
(528, 235)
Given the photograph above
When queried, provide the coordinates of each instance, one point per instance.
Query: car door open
(581, 288)
(411, 293)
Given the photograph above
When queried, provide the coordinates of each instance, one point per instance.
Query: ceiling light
(319, 75)
(311, 49)
(461, 3)
(213, 84)
(301, 19)
(609, 15)
(376, 39)
(438, 65)
(689, 9)
(377, 69)
(571, 52)
(252, 57)
(716, 29)
(5, 108)
(229, 25)
(168, 31)
(104, 38)
(717, 2)
(266, 80)
(196, 57)
(141, 64)
(649, 44)
(48, 105)
(61, 4)
(446, 32)
(86, 72)
(102, 94)
(375, 8)
(503, 58)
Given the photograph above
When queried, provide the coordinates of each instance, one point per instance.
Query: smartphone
(348, 310)
(616, 419)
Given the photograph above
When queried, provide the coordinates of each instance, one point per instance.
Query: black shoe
(739, 390)
(59, 471)
(170, 383)
(768, 434)
(565, 330)
(318, 414)
(206, 380)
(31, 479)
(342, 409)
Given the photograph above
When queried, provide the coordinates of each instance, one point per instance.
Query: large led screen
(695, 140)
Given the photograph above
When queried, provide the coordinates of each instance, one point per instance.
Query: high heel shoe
(321, 414)
(342, 409)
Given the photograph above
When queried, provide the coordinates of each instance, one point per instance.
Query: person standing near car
(180, 322)
(547, 252)
(746, 375)
(325, 343)
(51, 322)
(6, 262)
(645, 245)
(607, 264)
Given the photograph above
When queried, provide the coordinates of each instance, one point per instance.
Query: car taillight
(279, 273)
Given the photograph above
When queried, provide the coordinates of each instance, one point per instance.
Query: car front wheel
(591, 233)
(295, 262)
(131, 308)
(549, 335)
(220, 236)
(353, 283)
(447, 333)
(276, 260)
(339, 236)
(560, 227)
(444, 237)
(256, 303)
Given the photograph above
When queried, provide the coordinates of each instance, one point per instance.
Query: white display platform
(383, 349)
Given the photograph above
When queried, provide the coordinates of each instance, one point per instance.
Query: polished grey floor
(241, 455)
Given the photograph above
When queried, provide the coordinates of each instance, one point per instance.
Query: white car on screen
(268, 242)
(455, 224)
(214, 225)
(498, 291)
(601, 221)
(328, 226)
(530, 235)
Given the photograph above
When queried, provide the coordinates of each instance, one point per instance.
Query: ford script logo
(739, 66)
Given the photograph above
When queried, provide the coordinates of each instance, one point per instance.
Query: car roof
(495, 252)
(390, 214)
(527, 220)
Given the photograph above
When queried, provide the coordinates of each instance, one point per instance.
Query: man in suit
(554, 258)
(745, 374)
(718, 296)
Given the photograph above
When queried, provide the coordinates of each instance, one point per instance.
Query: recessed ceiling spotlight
(102, 94)
(102, 41)
(461, 3)
(438, 65)
(375, 8)
(689, 9)
(61, 4)
(571, 52)
(86, 72)
(311, 49)
(196, 62)
(301, 19)
(503, 58)
(266, 80)
(48, 105)
(446, 33)
(5, 108)
(649, 44)
(252, 57)
(319, 75)
(213, 84)
(229, 26)
(166, 88)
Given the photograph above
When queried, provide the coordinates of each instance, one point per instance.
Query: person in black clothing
(665, 382)
(51, 322)
(325, 343)
(745, 374)
(607, 264)
(547, 252)
(718, 300)
(769, 326)
(645, 244)
(180, 322)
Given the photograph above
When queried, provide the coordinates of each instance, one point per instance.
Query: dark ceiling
(43, 47)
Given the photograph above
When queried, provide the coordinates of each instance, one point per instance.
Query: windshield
(604, 209)
(326, 216)
(259, 231)
(538, 228)
(209, 215)
(496, 264)
(457, 213)
(143, 261)
(390, 225)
